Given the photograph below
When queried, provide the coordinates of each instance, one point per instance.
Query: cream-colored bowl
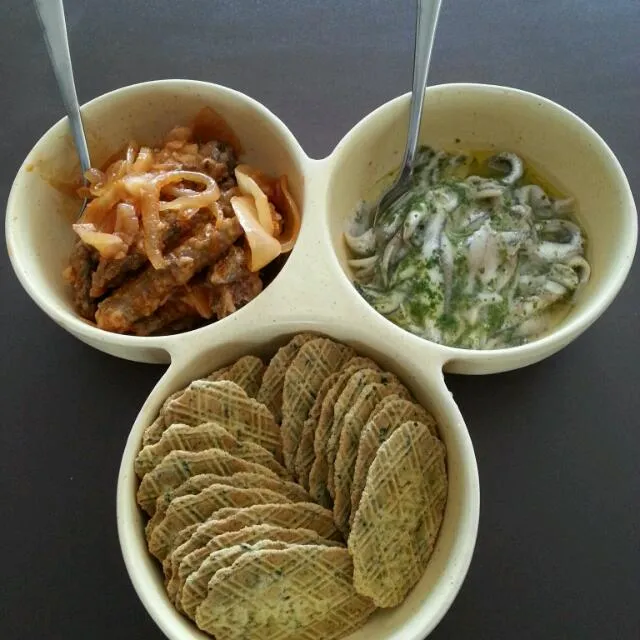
(313, 291)
(430, 599)
(558, 143)
(40, 213)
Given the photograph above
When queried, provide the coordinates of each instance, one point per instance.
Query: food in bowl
(178, 235)
(255, 540)
(476, 254)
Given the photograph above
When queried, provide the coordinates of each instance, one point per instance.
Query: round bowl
(431, 597)
(563, 147)
(40, 210)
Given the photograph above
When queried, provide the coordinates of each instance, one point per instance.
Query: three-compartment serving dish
(313, 291)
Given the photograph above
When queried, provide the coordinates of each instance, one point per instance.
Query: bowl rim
(596, 303)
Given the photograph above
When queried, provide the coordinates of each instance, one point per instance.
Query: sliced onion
(152, 227)
(200, 297)
(107, 244)
(130, 156)
(249, 187)
(144, 161)
(94, 176)
(264, 248)
(287, 206)
(127, 225)
(201, 199)
(97, 209)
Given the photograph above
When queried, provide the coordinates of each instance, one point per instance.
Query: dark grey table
(558, 553)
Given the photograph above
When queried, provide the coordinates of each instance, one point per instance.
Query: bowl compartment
(430, 599)
(477, 117)
(42, 205)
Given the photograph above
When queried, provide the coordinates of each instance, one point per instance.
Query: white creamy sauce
(470, 261)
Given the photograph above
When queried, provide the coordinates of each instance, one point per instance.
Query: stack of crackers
(289, 500)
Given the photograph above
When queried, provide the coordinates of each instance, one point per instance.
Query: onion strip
(249, 187)
(264, 248)
(287, 206)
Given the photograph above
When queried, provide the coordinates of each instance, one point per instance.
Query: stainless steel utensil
(426, 21)
(54, 29)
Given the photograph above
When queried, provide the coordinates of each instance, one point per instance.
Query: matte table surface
(558, 446)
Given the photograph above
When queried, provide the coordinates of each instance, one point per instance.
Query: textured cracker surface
(194, 584)
(179, 466)
(305, 455)
(316, 360)
(246, 372)
(209, 435)
(227, 404)
(318, 472)
(353, 423)
(270, 392)
(197, 508)
(400, 513)
(304, 593)
(304, 515)
(390, 413)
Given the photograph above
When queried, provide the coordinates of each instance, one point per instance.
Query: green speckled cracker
(353, 423)
(304, 515)
(209, 435)
(305, 454)
(179, 466)
(316, 360)
(390, 413)
(246, 372)
(397, 523)
(227, 404)
(302, 593)
(187, 510)
(351, 392)
(270, 392)
(153, 432)
(194, 583)
(242, 480)
(318, 472)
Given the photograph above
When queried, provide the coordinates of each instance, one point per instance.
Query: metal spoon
(426, 21)
(54, 29)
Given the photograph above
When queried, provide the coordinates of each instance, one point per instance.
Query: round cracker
(187, 510)
(209, 435)
(390, 413)
(270, 392)
(193, 589)
(316, 360)
(353, 423)
(302, 592)
(304, 515)
(399, 517)
(178, 466)
(227, 404)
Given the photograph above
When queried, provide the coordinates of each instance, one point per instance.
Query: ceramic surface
(313, 291)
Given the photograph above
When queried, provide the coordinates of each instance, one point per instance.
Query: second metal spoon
(426, 21)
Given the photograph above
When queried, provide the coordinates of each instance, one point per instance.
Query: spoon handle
(54, 29)
(426, 21)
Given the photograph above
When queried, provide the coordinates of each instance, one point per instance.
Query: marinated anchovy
(473, 261)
